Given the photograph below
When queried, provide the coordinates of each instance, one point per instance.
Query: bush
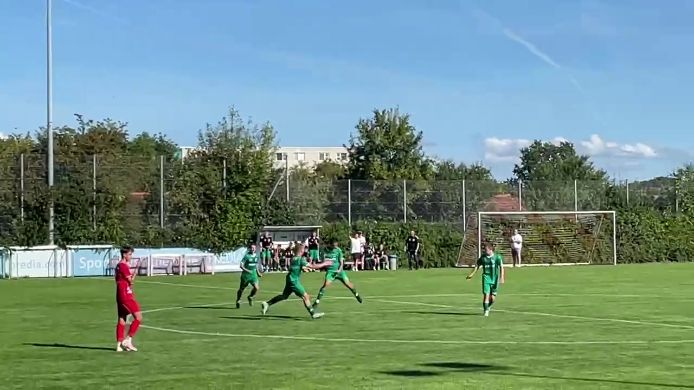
(440, 243)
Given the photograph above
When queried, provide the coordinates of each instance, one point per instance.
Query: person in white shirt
(362, 242)
(356, 250)
(516, 247)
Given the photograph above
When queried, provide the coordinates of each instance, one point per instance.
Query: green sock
(320, 294)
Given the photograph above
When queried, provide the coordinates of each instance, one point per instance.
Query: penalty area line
(411, 341)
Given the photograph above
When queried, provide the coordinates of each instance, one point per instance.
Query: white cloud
(503, 149)
(596, 146)
(508, 149)
(2, 136)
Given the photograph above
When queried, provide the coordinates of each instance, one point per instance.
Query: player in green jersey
(293, 284)
(492, 275)
(249, 275)
(336, 258)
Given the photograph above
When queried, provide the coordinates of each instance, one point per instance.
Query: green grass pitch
(595, 327)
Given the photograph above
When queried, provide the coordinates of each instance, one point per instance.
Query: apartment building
(293, 156)
(309, 155)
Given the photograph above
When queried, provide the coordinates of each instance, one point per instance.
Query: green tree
(385, 151)
(219, 211)
(684, 189)
(19, 219)
(548, 173)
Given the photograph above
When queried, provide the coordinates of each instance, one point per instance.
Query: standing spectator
(276, 255)
(516, 247)
(412, 249)
(266, 251)
(313, 244)
(356, 250)
(288, 255)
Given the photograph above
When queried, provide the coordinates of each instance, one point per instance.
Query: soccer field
(551, 328)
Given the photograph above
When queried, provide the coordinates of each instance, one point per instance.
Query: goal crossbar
(611, 213)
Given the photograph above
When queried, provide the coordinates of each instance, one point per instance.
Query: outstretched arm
(322, 265)
(474, 271)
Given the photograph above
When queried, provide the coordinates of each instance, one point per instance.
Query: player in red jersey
(125, 301)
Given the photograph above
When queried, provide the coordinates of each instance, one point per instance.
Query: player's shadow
(458, 367)
(442, 313)
(411, 373)
(68, 346)
(263, 317)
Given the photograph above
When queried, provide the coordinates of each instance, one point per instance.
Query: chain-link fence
(134, 194)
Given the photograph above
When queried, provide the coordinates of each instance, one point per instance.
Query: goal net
(549, 238)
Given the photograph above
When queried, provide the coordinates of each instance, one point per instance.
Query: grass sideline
(595, 327)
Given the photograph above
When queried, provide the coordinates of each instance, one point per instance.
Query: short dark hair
(488, 245)
(125, 249)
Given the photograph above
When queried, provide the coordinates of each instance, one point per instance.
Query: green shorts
(330, 276)
(489, 287)
(266, 254)
(314, 254)
(294, 288)
(247, 280)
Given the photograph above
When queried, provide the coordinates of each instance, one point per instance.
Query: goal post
(551, 237)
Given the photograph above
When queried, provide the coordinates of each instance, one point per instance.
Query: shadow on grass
(465, 367)
(264, 317)
(411, 373)
(442, 313)
(456, 367)
(68, 346)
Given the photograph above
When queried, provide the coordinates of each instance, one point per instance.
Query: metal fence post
(404, 200)
(21, 187)
(161, 191)
(576, 199)
(349, 202)
(286, 173)
(224, 175)
(94, 192)
(520, 195)
(464, 210)
(627, 188)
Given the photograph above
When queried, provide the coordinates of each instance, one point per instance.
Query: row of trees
(109, 185)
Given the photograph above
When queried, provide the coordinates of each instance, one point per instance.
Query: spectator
(278, 253)
(288, 255)
(412, 248)
(516, 247)
(356, 250)
(380, 258)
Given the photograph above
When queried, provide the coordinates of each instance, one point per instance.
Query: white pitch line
(396, 341)
(634, 322)
(376, 298)
(202, 286)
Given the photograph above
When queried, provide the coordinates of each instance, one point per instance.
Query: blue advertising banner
(91, 261)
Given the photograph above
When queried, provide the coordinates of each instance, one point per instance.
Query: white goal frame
(613, 213)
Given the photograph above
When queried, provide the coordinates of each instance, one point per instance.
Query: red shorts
(125, 307)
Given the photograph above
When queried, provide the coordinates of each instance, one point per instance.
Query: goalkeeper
(492, 275)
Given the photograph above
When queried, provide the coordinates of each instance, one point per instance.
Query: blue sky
(480, 78)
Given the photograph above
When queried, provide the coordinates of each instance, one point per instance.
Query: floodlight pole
(49, 117)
